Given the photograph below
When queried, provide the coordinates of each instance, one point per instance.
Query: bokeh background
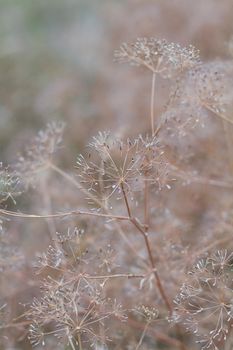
(56, 64)
(56, 61)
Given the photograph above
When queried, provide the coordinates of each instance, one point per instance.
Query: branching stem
(135, 222)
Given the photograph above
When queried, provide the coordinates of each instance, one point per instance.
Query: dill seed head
(205, 302)
(159, 56)
(38, 154)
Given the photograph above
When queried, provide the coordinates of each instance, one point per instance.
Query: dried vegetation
(135, 269)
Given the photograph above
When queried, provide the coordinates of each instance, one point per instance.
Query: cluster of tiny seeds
(158, 55)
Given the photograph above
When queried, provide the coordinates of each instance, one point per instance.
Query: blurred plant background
(56, 64)
(56, 61)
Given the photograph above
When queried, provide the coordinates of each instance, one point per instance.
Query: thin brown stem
(146, 203)
(149, 251)
(126, 200)
(142, 336)
(152, 103)
(153, 265)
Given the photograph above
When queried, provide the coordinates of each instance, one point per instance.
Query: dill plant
(119, 278)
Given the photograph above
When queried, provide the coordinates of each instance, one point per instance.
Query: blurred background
(56, 62)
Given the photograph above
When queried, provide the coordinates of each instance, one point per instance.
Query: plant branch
(135, 222)
(60, 215)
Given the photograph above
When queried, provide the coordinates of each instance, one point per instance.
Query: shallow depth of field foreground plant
(140, 252)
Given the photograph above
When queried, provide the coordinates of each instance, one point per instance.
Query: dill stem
(63, 214)
(126, 201)
(149, 251)
(144, 232)
(79, 342)
(71, 343)
(142, 336)
(146, 203)
(152, 103)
